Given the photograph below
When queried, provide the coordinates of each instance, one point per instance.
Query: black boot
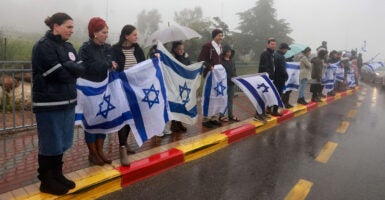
(49, 183)
(285, 100)
(59, 174)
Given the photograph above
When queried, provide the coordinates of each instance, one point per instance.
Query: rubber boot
(49, 184)
(94, 156)
(181, 127)
(99, 147)
(174, 126)
(123, 156)
(59, 173)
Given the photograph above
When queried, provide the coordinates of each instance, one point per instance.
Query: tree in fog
(193, 18)
(260, 22)
(148, 23)
(2, 45)
(218, 23)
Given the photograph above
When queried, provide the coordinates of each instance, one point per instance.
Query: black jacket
(183, 59)
(266, 63)
(119, 58)
(229, 65)
(54, 72)
(280, 74)
(96, 59)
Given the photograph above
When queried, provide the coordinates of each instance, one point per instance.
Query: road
(335, 152)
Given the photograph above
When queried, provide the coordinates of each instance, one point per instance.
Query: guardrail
(15, 96)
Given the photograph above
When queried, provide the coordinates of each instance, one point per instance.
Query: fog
(344, 24)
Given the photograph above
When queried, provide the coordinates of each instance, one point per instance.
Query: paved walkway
(18, 151)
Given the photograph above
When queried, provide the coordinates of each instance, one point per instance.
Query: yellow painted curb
(299, 110)
(270, 124)
(337, 96)
(96, 191)
(323, 103)
(349, 92)
(203, 146)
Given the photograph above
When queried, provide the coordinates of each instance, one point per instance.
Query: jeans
(92, 137)
(55, 130)
(301, 90)
(230, 100)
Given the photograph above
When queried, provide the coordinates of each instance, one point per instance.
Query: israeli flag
(146, 92)
(340, 72)
(102, 107)
(182, 83)
(292, 83)
(214, 97)
(351, 78)
(363, 46)
(374, 65)
(260, 90)
(136, 96)
(329, 76)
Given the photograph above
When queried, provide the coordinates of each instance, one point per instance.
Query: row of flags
(151, 93)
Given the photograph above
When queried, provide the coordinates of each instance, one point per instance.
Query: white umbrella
(170, 34)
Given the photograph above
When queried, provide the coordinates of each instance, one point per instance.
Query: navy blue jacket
(55, 68)
(96, 59)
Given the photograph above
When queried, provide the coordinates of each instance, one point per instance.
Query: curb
(97, 182)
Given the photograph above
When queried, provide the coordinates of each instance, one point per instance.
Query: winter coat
(183, 59)
(304, 67)
(209, 56)
(96, 59)
(229, 65)
(266, 63)
(317, 70)
(119, 58)
(280, 74)
(55, 68)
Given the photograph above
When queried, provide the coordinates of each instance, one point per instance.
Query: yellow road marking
(352, 113)
(326, 152)
(343, 127)
(300, 190)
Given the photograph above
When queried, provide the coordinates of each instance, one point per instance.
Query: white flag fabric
(340, 73)
(136, 96)
(292, 83)
(102, 107)
(182, 83)
(144, 86)
(214, 94)
(374, 65)
(329, 76)
(260, 90)
(351, 79)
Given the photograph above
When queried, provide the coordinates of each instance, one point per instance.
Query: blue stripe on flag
(207, 91)
(155, 61)
(290, 66)
(280, 104)
(253, 91)
(181, 71)
(181, 108)
(134, 106)
(106, 125)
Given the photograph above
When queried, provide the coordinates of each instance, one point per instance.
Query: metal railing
(15, 96)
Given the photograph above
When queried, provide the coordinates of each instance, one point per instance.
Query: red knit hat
(96, 24)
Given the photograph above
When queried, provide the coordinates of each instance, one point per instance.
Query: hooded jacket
(229, 65)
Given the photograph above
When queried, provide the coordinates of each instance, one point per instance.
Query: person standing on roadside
(280, 74)
(304, 74)
(96, 58)
(126, 53)
(211, 54)
(55, 68)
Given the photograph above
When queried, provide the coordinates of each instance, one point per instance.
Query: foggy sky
(344, 24)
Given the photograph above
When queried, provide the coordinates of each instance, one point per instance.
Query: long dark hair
(57, 18)
(126, 30)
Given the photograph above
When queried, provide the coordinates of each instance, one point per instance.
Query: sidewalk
(18, 154)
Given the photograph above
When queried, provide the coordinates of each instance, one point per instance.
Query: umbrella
(170, 34)
(294, 49)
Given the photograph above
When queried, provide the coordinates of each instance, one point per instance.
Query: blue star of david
(147, 99)
(105, 106)
(181, 91)
(219, 88)
(266, 89)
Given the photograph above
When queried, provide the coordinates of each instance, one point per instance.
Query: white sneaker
(160, 134)
(167, 132)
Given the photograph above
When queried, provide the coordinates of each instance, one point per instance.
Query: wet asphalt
(268, 165)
